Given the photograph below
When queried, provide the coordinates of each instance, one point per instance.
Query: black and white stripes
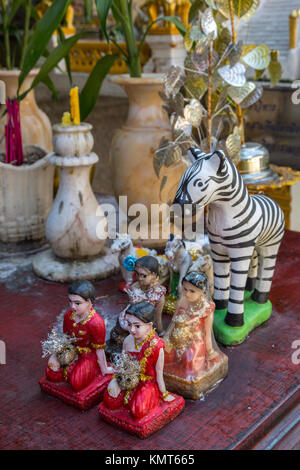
(244, 231)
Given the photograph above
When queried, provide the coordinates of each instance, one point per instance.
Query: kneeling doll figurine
(193, 362)
(143, 406)
(77, 370)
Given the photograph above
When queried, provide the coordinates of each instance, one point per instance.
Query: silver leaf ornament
(208, 23)
(235, 75)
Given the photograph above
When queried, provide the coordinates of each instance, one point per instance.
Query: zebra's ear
(222, 157)
(217, 160)
(195, 153)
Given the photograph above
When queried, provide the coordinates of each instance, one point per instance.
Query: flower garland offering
(66, 119)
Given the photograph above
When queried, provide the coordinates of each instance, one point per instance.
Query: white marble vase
(76, 219)
(76, 227)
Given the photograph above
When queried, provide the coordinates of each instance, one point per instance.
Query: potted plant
(26, 177)
(133, 145)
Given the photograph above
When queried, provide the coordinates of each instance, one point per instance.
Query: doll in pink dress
(147, 289)
(193, 361)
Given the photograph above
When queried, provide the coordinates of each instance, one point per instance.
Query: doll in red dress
(86, 329)
(193, 361)
(146, 289)
(146, 406)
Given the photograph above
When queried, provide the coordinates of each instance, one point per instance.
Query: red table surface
(260, 393)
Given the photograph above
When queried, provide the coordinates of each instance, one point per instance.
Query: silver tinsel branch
(56, 342)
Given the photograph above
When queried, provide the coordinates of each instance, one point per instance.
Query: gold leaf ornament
(196, 88)
(167, 154)
(184, 141)
(234, 76)
(254, 96)
(213, 144)
(233, 146)
(176, 104)
(223, 40)
(238, 94)
(211, 3)
(174, 80)
(183, 126)
(191, 72)
(243, 9)
(258, 58)
(187, 41)
(235, 53)
(193, 112)
(201, 61)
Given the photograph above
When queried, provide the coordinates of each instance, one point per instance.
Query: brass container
(254, 164)
(67, 355)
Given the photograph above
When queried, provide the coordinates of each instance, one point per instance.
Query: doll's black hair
(148, 262)
(198, 279)
(144, 311)
(83, 288)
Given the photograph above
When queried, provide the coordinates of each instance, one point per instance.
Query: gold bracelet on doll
(165, 394)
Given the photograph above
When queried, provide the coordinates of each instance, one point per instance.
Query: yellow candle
(74, 104)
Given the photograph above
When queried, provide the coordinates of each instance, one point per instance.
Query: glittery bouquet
(128, 371)
(61, 345)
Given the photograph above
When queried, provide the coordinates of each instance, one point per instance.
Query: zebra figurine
(242, 230)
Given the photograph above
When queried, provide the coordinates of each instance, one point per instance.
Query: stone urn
(35, 124)
(76, 228)
(26, 196)
(132, 150)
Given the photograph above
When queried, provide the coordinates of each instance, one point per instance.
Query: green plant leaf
(48, 82)
(16, 4)
(67, 57)
(179, 25)
(88, 10)
(34, 14)
(103, 7)
(45, 27)
(55, 56)
(90, 92)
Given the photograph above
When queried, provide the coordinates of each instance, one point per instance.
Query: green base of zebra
(254, 315)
